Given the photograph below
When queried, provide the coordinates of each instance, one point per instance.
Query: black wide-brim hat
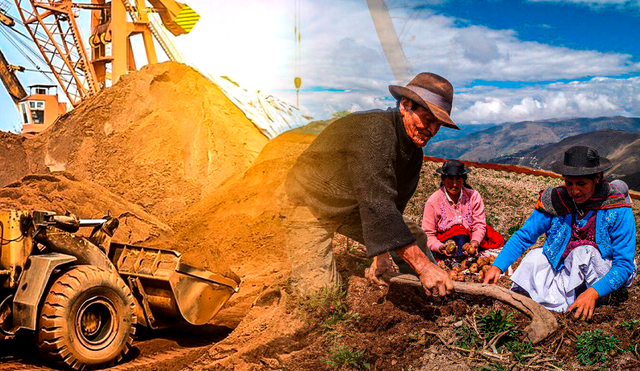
(581, 160)
(453, 168)
(431, 91)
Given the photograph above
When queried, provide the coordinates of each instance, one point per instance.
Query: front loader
(82, 297)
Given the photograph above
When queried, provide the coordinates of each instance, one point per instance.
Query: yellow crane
(39, 108)
(53, 27)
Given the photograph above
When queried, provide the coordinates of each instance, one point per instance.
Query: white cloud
(477, 52)
(597, 4)
(462, 53)
(592, 98)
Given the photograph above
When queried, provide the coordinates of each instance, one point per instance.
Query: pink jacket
(440, 215)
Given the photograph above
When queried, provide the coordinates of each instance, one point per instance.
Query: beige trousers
(309, 238)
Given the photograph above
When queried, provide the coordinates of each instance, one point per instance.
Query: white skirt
(555, 290)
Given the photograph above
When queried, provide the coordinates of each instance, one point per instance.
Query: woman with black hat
(590, 239)
(455, 213)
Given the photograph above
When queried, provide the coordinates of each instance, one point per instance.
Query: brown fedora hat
(431, 91)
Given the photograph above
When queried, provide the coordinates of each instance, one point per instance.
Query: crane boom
(400, 66)
(52, 26)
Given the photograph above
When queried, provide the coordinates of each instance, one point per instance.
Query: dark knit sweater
(364, 162)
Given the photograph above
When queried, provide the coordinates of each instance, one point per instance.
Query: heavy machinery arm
(6, 20)
(178, 18)
(10, 81)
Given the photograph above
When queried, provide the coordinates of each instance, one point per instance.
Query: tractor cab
(40, 108)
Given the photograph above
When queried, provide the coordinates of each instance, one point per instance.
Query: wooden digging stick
(543, 322)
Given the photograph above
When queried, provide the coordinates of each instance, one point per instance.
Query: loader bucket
(165, 287)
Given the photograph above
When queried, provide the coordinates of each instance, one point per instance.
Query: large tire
(87, 319)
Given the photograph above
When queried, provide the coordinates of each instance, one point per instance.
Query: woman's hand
(449, 248)
(584, 305)
(492, 275)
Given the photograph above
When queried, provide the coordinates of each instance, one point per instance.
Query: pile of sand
(239, 224)
(13, 158)
(144, 150)
(161, 138)
(62, 192)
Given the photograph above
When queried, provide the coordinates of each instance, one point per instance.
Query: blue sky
(508, 60)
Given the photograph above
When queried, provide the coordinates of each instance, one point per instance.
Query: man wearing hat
(590, 243)
(356, 178)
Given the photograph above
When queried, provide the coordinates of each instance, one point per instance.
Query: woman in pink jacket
(456, 212)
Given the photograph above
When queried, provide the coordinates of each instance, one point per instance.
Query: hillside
(621, 147)
(507, 139)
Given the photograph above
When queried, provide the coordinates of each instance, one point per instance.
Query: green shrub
(593, 347)
(630, 325)
(519, 349)
(342, 356)
(323, 300)
(494, 323)
(467, 337)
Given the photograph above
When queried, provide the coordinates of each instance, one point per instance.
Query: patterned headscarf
(556, 200)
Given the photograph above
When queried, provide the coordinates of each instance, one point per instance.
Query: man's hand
(381, 264)
(492, 275)
(435, 281)
(584, 305)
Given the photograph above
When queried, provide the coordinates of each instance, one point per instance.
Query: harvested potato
(465, 264)
(450, 247)
(453, 275)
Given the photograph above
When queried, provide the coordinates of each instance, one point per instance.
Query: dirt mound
(161, 138)
(13, 158)
(63, 192)
(238, 224)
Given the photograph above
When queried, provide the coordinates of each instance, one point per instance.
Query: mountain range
(508, 139)
(621, 147)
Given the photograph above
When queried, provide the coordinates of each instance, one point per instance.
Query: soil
(182, 168)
